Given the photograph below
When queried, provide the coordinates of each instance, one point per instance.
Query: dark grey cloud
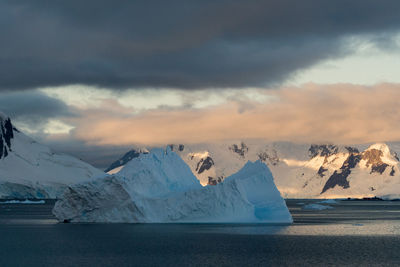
(183, 44)
(33, 108)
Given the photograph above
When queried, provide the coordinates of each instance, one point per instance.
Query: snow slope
(31, 170)
(160, 188)
(302, 170)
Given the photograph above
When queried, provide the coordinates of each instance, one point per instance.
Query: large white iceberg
(160, 188)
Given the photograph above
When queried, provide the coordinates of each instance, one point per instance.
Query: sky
(95, 78)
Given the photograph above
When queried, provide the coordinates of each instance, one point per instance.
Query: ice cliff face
(32, 170)
(160, 188)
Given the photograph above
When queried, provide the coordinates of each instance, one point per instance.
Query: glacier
(159, 187)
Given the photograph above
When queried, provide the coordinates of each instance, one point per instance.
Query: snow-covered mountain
(301, 170)
(159, 187)
(31, 170)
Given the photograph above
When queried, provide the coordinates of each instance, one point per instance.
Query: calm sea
(359, 233)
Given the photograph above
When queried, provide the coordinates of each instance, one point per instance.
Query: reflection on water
(14, 214)
(346, 218)
(367, 228)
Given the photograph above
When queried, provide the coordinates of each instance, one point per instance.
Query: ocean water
(353, 233)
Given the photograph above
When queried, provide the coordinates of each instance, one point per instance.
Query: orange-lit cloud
(341, 113)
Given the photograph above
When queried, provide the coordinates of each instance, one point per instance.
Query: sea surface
(352, 233)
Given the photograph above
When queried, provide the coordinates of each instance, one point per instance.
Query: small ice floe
(328, 201)
(316, 207)
(300, 203)
(26, 201)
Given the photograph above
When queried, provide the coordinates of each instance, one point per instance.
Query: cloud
(341, 113)
(33, 109)
(180, 44)
(32, 104)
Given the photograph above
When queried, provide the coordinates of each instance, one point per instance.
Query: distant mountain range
(300, 170)
(31, 170)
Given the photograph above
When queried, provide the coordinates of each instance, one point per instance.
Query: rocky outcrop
(374, 159)
(339, 178)
(241, 149)
(6, 134)
(215, 181)
(204, 164)
(352, 149)
(322, 150)
(176, 148)
(321, 171)
(269, 157)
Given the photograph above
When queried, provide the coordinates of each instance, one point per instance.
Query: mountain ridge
(300, 170)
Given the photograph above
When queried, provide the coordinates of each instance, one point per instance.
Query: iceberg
(328, 201)
(316, 207)
(159, 187)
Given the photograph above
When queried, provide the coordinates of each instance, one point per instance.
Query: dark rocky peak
(352, 149)
(6, 135)
(392, 172)
(126, 158)
(241, 149)
(321, 171)
(351, 162)
(322, 150)
(271, 157)
(374, 159)
(372, 155)
(339, 177)
(179, 147)
(204, 164)
(215, 181)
